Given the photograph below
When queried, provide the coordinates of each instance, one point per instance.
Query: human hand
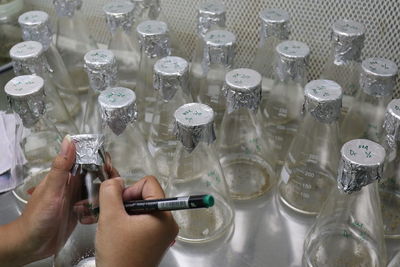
(137, 240)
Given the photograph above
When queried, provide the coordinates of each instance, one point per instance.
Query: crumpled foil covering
(119, 14)
(118, 108)
(89, 149)
(152, 7)
(26, 97)
(101, 67)
(292, 60)
(154, 38)
(194, 123)
(348, 40)
(219, 48)
(274, 23)
(323, 99)
(361, 164)
(392, 124)
(242, 89)
(67, 8)
(170, 75)
(36, 27)
(210, 14)
(378, 76)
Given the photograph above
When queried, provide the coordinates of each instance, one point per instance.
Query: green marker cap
(208, 201)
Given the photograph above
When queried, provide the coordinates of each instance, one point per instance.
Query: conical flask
(73, 39)
(101, 68)
(171, 80)
(36, 27)
(123, 139)
(40, 137)
(308, 174)
(366, 115)
(210, 16)
(343, 65)
(390, 187)
(196, 170)
(154, 44)
(123, 43)
(218, 55)
(244, 154)
(28, 58)
(274, 30)
(349, 230)
(283, 106)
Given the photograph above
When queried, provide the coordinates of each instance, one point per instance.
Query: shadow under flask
(154, 44)
(28, 58)
(308, 174)
(79, 250)
(349, 229)
(244, 154)
(171, 81)
(389, 189)
(366, 115)
(123, 43)
(283, 106)
(101, 68)
(196, 170)
(73, 39)
(343, 65)
(274, 30)
(123, 139)
(40, 138)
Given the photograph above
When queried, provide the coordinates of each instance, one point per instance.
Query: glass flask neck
(379, 101)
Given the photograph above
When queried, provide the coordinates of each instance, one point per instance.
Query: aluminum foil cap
(361, 164)
(101, 67)
(323, 99)
(36, 27)
(153, 7)
(378, 76)
(194, 123)
(67, 8)
(274, 23)
(118, 108)
(119, 14)
(170, 75)
(209, 14)
(154, 38)
(392, 123)
(219, 48)
(242, 89)
(89, 149)
(28, 57)
(27, 98)
(348, 40)
(292, 61)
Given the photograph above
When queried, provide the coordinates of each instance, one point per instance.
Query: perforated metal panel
(310, 23)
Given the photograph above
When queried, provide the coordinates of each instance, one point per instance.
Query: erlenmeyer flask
(171, 80)
(210, 16)
(390, 187)
(366, 115)
(196, 170)
(101, 68)
(274, 29)
(349, 229)
(36, 27)
(218, 55)
(284, 103)
(73, 39)
(123, 139)
(343, 65)
(308, 174)
(154, 44)
(28, 58)
(40, 137)
(244, 154)
(123, 43)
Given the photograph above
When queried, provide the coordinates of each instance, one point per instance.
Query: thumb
(111, 204)
(62, 164)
